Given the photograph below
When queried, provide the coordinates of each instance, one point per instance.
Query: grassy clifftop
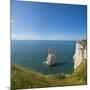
(81, 71)
(23, 78)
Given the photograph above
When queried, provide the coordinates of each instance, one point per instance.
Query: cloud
(36, 36)
(11, 21)
(30, 36)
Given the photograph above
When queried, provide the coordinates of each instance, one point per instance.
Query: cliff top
(83, 43)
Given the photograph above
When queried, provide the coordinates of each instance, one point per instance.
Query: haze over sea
(32, 53)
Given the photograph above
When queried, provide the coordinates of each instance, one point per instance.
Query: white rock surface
(51, 58)
(80, 53)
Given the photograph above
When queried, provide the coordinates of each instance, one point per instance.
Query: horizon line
(50, 40)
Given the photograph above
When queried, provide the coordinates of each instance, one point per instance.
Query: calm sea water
(31, 54)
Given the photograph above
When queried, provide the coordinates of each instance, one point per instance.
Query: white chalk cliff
(80, 53)
(51, 58)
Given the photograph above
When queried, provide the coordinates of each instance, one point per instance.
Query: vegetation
(23, 78)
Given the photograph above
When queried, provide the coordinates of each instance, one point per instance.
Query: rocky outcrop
(51, 58)
(80, 53)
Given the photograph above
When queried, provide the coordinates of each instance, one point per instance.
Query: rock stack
(51, 58)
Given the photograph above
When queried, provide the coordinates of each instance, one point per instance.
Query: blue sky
(45, 21)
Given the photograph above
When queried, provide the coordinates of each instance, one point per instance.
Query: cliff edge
(80, 53)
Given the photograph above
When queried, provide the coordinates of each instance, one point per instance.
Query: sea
(31, 54)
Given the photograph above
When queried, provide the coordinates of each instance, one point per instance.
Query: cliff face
(80, 53)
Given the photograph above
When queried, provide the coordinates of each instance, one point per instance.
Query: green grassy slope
(23, 78)
(81, 72)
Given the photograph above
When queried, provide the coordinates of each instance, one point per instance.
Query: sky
(47, 21)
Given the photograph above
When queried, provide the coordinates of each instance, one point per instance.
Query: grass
(22, 78)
